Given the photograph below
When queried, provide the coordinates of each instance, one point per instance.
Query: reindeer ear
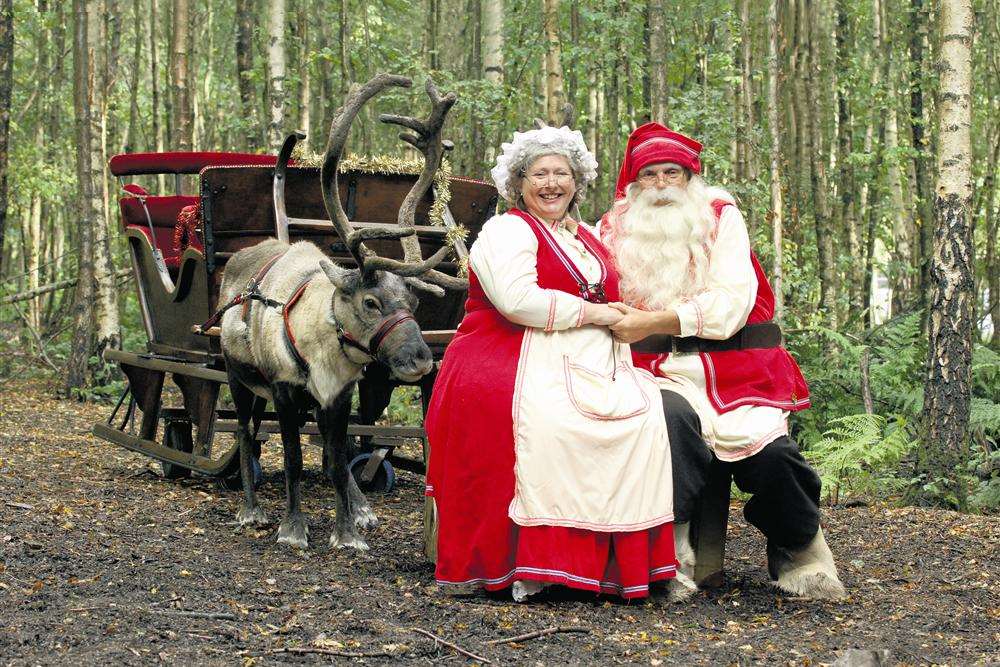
(337, 275)
(417, 283)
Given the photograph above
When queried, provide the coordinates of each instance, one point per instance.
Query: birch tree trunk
(77, 365)
(493, 40)
(818, 179)
(182, 125)
(244, 70)
(6, 82)
(658, 89)
(777, 272)
(899, 214)
(129, 145)
(276, 62)
(555, 97)
(107, 333)
(918, 125)
(947, 388)
(305, 78)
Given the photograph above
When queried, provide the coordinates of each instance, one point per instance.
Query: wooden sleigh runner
(179, 246)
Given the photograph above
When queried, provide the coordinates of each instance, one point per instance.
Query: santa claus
(688, 273)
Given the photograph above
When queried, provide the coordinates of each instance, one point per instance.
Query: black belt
(752, 336)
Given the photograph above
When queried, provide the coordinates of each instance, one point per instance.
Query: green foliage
(858, 455)
(868, 454)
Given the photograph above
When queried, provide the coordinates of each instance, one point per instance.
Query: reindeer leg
(334, 430)
(353, 511)
(250, 513)
(293, 530)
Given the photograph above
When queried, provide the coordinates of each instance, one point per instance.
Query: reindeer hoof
(364, 517)
(348, 541)
(294, 532)
(251, 517)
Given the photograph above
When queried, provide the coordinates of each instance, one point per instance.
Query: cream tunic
(717, 312)
(590, 439)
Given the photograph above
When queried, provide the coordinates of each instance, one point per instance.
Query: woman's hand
(600, 314)
(638, 324)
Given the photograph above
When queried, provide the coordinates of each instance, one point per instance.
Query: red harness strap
(286, 310)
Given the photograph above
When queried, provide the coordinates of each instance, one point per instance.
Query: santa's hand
(634, 326)
(599, 313)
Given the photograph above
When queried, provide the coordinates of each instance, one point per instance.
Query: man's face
(661, 175)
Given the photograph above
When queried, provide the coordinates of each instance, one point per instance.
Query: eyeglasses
(540, 178)
(670, 174)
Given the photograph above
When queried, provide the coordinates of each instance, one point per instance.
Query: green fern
(859, 453)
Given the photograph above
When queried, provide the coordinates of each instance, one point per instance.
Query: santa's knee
(785, 492)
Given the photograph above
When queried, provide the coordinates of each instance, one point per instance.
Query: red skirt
(471, 477)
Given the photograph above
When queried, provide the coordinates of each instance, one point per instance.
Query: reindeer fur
(259, 362)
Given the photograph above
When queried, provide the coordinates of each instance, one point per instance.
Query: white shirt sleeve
(722, 308)
(503, 259)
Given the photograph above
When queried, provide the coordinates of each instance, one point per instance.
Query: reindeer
(308, 326)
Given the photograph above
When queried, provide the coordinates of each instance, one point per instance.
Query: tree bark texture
(555, 96)
(6, 81)
(493, 62)
(107, 332)
(244, 70)
(182, 114)
(777, 272)
(947, 389)
(276, 65)
(77, 365)
(658, 89)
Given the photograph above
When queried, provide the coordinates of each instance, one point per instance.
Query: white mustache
(668, 194)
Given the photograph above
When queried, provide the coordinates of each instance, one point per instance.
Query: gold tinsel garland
(389, 165)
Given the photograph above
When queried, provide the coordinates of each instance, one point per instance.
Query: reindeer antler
(426, 138)
(339, 127)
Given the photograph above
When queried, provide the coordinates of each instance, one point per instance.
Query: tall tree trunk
(918, 125)
(658, 89)
(777, 272)
(818, 179)
(947, 389)
(129, 146)
(433, 56)
(744, 104)
(159, 139)
(107, 333)
(867, 209)
(493, 63)
(305, 78)
(244, 71)
(899, 215)
(6, 82)
(555, 97)
(182, 126)
(845, 187)
(345, 49)
(77, 365)
(276, 61)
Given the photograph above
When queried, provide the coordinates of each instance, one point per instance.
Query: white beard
(662, 251)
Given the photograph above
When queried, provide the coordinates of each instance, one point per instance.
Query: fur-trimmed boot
(808, 572)
(682, 586)
(523, 589)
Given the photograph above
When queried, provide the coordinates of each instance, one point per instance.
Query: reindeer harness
(252, 293)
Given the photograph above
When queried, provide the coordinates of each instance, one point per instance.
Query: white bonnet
(561, 140)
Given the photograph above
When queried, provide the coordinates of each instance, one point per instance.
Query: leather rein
(252, 293)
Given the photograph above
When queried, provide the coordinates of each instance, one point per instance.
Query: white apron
(589, 434)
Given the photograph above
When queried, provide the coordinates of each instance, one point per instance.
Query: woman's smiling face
(548, 187)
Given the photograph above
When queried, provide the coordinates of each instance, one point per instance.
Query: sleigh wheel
(177, 435)
(235, 481)
(382, 477)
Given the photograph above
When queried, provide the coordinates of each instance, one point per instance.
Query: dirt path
(102, 562)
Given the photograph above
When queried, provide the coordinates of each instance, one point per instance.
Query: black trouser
(784, 487)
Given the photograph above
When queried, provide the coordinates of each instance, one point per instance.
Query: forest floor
(104, 562)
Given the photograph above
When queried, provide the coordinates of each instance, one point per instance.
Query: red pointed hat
(653, 143)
